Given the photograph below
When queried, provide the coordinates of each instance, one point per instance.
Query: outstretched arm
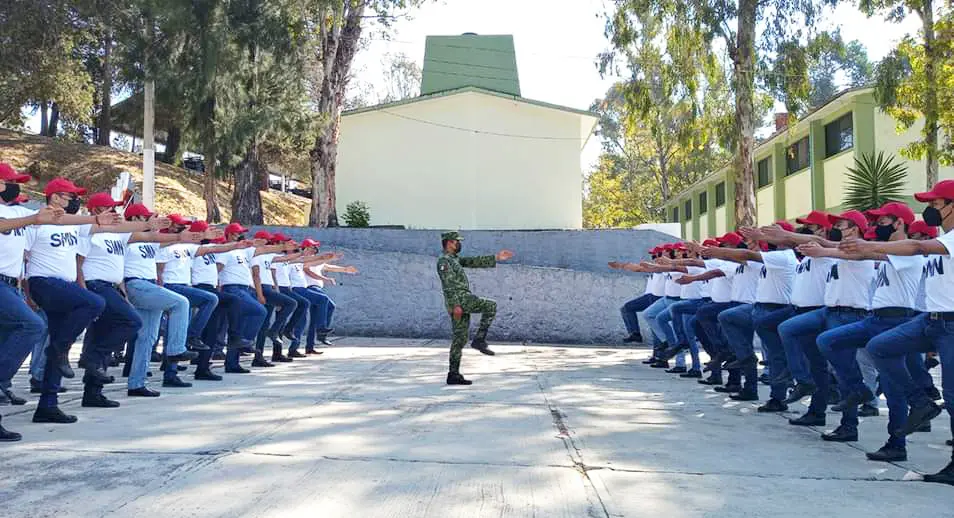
(736, 255)
(779, 236)
(903, 247)
(340, 269)
(816, 250)
(45, 216)
(706, 276)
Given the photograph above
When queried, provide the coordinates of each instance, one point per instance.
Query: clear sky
(557, 42)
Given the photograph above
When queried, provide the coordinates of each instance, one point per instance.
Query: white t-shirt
(673, 289)
(319, 269)
(720, 288)
(746, 281)
(105, 255)
(236, 266)
(264, 263)
(657, 284)
(939, 278)
(776, 277)
(897, 282)
(296, 274)
(693, 290)
(53, 250)
(204, 270)
(849, 284)
(141, 261)
(281, 274)
(13, 242)
(811, 274)
(177, 259)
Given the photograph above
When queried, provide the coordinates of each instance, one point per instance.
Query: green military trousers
(470, 303)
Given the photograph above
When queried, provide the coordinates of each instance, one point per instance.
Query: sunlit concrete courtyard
(369, 429)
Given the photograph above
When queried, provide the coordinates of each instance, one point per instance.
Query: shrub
(357, 215)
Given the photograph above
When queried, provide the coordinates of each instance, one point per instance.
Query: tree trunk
(744, 77)
(210, 153)
(247, 198)
(173, 142)
(105, 115)
(54, 120)
(930, 93)
(44, 118)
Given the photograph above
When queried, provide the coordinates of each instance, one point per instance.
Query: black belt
(12, 281)
(247, 287)
(806, 309)
(98, 281)
(127, 279)
(205, 286)
(894, 312)
(848, 309)
(947, 317)
(771, 306)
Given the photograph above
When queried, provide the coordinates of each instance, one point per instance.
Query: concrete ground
(370, 430)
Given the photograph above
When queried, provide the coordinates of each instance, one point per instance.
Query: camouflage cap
(453, 235)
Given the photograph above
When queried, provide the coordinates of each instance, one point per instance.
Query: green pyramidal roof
(488, 62)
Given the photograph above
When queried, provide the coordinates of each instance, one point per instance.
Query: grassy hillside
(96, 168)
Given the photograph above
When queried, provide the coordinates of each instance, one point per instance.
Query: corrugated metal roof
(452, 62)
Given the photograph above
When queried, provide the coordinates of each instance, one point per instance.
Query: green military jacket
(450, 269)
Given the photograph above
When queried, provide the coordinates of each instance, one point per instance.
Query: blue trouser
(70, 309)
(890, 351)
(286, 308)
(246, 317)
(683, 315)
(805, 361)
(739, 332)
(22, 329)
(38, 356)
(202, 304)
(664, 322)
(650, 314)
(299, 319)
(631, 308)
(766, 320)
(840, 346)
(708, 318)
(219, 317)
(151, 301)
(118, 324)
(320, 318)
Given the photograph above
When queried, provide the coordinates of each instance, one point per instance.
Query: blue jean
(219, 317)
(38, 356)
(299, 319)
(70, 309)
(631, 308)
(152, 300)
(739, 332)
(119, 323)
(321, 315)
(246, 315)
(766, 321)
(21, 327)
(286, 308)
(708, 318)
(683, 314)
(890, 351)
(664, 321)
(840, 345)
(201, 303)
(805, 361)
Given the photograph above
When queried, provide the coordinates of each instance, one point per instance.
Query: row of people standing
(852, 304)
(117, 276)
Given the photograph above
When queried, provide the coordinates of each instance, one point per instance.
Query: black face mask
(10, 193)
(205, 241)
(799, 256)
(805, 230)
(73, 206)
(772, 247)
(883, 232)
(932, 216)
(240, 237)
(742, 246)
(835, 234)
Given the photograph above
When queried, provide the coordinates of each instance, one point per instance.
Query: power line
(476, 131)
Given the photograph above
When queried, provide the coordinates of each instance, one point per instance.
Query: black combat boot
(480, 343)
(455, 378)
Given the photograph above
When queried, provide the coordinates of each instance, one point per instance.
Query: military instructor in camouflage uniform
(461, 302)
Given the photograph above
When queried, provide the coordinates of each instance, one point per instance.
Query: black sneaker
(918, 416)
(745, 395)
(183, 357)
(52, 415)
(945, 476)
(14, 399)
(888, 453)
(99, 401)
(711, 380)
(808, 419)
(296, 354)
(635, 337)
(142, 392)
(457, 379)
(677, 370)
(175, 383)
(237, 370)
(481, 345)
(8, 436)
(801, 390)
(260, 362)
(660, 364)
(692, 373)
(281, 358)
(773, 406)
(867, 410)
(207, 375)
(841, 434)
(728, 389)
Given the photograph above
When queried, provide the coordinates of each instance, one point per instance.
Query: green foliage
(874, 181)
(357, 215)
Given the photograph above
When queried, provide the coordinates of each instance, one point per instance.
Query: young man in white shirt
(267, 290)
(299, 320)
(319, 302)
(663, 335)
(630, 309)
(931, 330)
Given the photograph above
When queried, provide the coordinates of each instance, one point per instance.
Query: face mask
(883, 232)
(10, 193)
(805, 230)
(742, 246)
(835, 234)
(240, 237)
(205, 241)
(772, 247)
(73, 206)
(932, 216)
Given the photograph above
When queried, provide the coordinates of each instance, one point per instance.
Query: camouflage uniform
(450, 269)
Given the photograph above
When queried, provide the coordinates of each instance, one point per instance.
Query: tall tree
(907, 79)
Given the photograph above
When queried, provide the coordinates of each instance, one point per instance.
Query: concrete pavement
(370, 430)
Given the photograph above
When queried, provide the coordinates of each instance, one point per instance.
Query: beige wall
(720, 221)
(888, 140)
(765, 199)
(798, 194)
(427, 176)
(835, 169)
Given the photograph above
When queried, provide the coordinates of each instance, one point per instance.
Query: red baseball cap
(730, 238)
(178, 219)
(710, 242)
(58, 185)
(786, 225)
(23, 198)
(896, 209)
(763, 246)
(920, 227)
(138, 210)
(871, 234)
(853, 216)
(234, 228)
(102, 199)
(9, 174)
(263, 234)
(197, 225)
(278, 236)
(815, 217)
(218, 240)
(308, 243)
(943, 189)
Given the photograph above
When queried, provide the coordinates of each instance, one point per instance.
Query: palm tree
(874, 181)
